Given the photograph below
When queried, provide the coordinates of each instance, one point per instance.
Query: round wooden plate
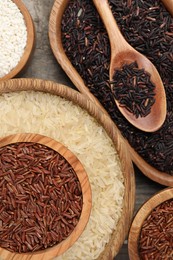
(57, 48)
(141, 215)
(29, 44)
(119, 234)
(86, 195)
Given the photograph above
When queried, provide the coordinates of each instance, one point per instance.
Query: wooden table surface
(43, 65)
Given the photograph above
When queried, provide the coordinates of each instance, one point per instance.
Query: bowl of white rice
(16, 37)
(58, 112)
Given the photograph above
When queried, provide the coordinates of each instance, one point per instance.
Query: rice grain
(60, 119)
(13, 36)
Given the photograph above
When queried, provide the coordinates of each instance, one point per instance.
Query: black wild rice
(148, 27)
(133, 89)
(40, 197)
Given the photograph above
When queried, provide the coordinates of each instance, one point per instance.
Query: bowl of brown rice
(150, 235)
(65, 115)
(45, 195)
(17, 38)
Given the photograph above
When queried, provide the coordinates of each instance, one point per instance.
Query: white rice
(13, 36)
(47, 114)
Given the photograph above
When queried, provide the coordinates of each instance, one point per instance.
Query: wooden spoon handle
(116, 39)
(169, 5)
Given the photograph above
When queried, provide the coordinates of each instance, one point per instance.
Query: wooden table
(44, 65)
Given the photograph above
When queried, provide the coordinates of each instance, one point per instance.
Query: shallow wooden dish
(86, 192)
(57, 48)
(29, 44)
(141, 215)
(122, 228)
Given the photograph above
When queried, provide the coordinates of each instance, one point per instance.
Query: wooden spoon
(123, 53)
(169, 5)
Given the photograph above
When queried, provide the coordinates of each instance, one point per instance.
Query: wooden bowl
(141, 215)
(119, 234)
(86, 194)
(29, 44)
(59, 53)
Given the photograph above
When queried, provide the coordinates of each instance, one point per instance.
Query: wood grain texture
(169, 5)
(56, 45)
(141, 215)
(118, 236)
(56, 250)
(29, 44)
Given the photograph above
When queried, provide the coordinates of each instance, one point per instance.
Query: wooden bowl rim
(29, 43)
(122, 228)
(59, 53)
(141, 215)
(82, 177)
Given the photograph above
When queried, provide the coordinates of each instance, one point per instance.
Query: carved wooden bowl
(59, 53)
(82, 177)
(138, 222)
(29, 44)
(120, 232)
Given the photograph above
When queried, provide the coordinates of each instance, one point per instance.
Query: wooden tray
(29, 44)
(56, 45)
(119, 235)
